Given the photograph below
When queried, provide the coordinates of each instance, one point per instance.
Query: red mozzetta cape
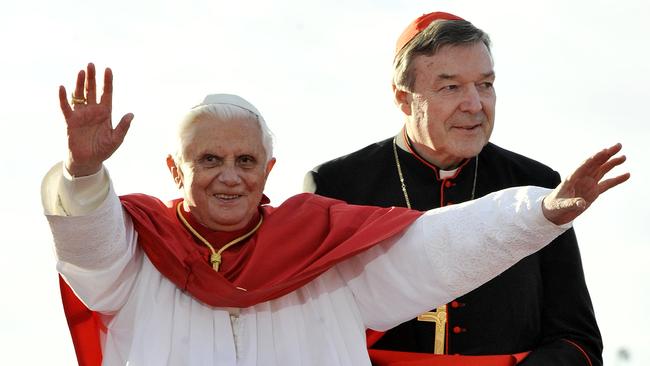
(297, 242)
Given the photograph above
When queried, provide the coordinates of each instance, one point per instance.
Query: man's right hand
(91, 136)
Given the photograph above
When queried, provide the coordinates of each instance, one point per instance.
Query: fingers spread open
(107, 95)
(605, 185)
(91, 85)
(609, 165)
(602, 156)
(593, 166)
(63, 102)
(79, 87)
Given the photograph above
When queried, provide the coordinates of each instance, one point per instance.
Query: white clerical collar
(444, 174)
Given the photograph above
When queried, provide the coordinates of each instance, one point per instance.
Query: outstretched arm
(582, 187)
(464, 245)
(91, 136)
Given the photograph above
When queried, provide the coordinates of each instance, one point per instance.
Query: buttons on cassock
(458, 330)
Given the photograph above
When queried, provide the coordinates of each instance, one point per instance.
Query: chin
(465, 153)
(471, 149)
(232, 220)
(227, 221)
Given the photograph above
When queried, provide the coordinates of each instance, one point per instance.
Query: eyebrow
(452, 77)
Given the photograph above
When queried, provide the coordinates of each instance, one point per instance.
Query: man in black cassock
(538, 311)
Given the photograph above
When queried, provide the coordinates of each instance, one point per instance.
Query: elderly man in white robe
(182, 283)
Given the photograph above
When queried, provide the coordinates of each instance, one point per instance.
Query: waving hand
(91, 136)
(580, 189)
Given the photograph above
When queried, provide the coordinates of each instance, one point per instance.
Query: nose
(471, 102)
(229, 176)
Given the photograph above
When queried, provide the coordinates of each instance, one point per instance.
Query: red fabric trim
(372, 336)
(520, 357)
(396, 358)
(576, 345)
(407, 142)
(85, 327)
(442, 195)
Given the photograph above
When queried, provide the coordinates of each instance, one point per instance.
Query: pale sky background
(572, 77)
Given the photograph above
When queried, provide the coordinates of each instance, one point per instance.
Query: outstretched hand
(91, 136)
(580, 189)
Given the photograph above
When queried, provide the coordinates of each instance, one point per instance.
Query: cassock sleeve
(460, 247)
(94, 239)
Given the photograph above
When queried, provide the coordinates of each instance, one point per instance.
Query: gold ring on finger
(77, 100)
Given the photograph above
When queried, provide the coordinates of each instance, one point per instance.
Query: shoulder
(139, 202)
(302, 200)
(365, 159)
(335, 178)
(525, 170)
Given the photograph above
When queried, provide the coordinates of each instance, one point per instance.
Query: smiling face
(223, 171)
(450, 111)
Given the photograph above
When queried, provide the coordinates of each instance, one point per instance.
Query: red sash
(396, 358)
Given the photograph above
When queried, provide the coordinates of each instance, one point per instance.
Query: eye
(450, 87)
(486, 85)
(210, 160)
(246, 161)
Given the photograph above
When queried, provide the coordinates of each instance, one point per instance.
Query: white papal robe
(442, 255)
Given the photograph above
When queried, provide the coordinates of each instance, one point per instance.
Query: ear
(402, 99)
(269, 166)
(177, 174)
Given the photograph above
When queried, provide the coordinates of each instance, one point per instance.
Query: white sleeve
(446, 253)
(94, 239)
(65, 195)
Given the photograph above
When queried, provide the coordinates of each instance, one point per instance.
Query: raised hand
(580, 189)
(91, 136)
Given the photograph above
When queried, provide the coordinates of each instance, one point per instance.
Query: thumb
(122, 128)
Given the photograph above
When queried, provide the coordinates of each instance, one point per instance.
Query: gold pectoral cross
(440, 318)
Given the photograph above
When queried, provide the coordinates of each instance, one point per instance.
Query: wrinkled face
(450, 113)
(223, 172)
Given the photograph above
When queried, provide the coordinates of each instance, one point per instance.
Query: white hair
(223, 107)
